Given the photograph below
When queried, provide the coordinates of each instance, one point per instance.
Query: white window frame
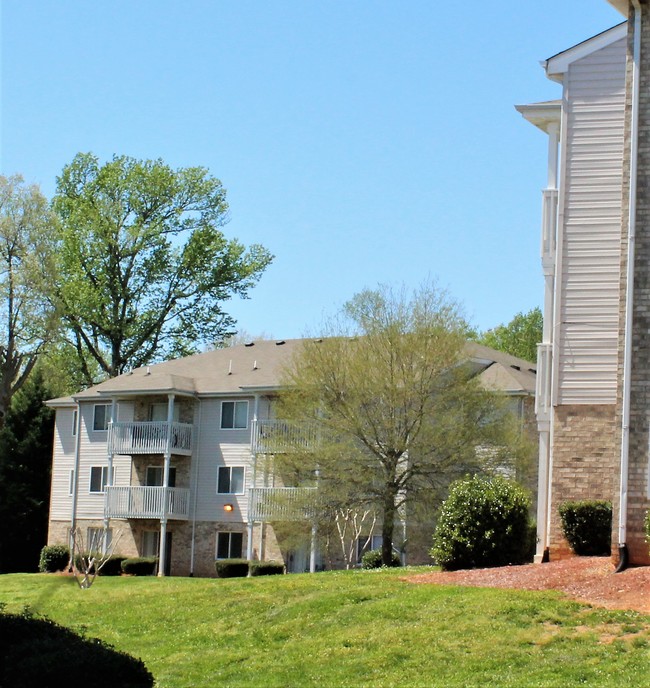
(229, 534)
(107, 415)
(230, 469)
(104, 479)
(234, 425)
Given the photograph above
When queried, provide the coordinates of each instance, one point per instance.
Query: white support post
(249, 528)
(109, 449)
(312, 552)
(167, 459)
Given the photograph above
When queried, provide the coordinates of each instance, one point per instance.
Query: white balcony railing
(280, 503)
(147, 502)
(150, 438)
(278, 437)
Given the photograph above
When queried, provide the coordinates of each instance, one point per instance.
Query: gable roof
(258, 366)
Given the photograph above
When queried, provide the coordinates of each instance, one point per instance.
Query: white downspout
(196, 435)
(75, 479)
(249, 527)
(629, 291)
(162, 556)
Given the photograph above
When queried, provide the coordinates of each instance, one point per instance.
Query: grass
(358, 628)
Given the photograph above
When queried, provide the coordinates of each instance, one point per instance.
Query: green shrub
(53, 558)
(646, 526)
(587, 526)
(39, 652)
(484, 522)
(140, 566)
(231, 568)
(112, 566)
(266, 568)
(372, 559)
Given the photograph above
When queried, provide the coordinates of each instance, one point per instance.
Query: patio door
(151, 547)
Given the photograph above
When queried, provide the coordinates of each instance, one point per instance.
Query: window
(229, 545)
(99, 478)
(366, 543)
(74, 422)
(231, 480)
(101, 417)
(158, 412)
(234, 414)
(150, 543)
(99, 539)
(155, 476)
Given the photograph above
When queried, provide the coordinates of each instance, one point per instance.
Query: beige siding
(63, 463)
(591, 213)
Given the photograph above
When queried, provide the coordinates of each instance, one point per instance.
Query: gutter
(629, 293)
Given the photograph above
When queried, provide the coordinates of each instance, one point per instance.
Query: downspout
(75, 482)
(250, 525)
(196, 435)
(629, 293)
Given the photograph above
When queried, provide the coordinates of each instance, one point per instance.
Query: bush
(484, 522)
(140, 566)
(266, 568)
(587, 526)
(646, 526)
(231, 568)
(112, 566)
(53, 558)
(39, 652)
(372, 559)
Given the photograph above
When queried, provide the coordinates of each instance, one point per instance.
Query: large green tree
(397, 413)
(519, 337)
(27, 319)
(144, 267)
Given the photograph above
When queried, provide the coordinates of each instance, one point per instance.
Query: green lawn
(353, 628)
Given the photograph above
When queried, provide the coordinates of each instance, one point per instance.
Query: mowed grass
(352, 628)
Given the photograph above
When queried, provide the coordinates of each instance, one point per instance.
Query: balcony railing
(147, 502)
(150, 438)
(280, 437)
(281, 503)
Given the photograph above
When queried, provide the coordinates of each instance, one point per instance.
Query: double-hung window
(101, 416)
(99, 478)
(231, 480)
(229, 545)
(234, 415)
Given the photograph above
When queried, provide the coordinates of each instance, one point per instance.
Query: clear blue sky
(361, 142)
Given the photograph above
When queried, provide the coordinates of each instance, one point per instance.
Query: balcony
(280, 503)
(147, 502)
(150, 438)
(280, 437)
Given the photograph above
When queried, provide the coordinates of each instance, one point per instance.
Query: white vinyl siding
(591, 228)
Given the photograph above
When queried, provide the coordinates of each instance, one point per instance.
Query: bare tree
(88, 558)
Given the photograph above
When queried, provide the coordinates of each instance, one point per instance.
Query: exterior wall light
(228, 507)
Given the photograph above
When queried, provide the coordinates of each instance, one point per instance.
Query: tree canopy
(144, 267)
(27, 319)
(398, 414)
(519, 337)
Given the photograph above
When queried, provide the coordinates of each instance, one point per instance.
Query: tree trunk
(387, 528)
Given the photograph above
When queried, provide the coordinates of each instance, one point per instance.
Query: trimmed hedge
(587, 525)
(231, 568)
(266, 568)
(113, 565)
(372, 559)
(39, 652)
(53, 558)
(483, 523)
(140, 566)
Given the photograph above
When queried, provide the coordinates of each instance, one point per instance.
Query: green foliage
(40, 652)
(373, 559)
(53, 558)
(266, 568)
(646, 526)
(231, 568)
(140, 566)
(484, 522)
(519, 337)
(25, 462)
(144, 267)
(587, 526)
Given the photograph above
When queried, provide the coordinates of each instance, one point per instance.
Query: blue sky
(362, 142)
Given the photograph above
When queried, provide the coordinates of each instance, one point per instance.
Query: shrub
(372, 559)
(112, 566)
(140, 566)
(266, 568)
(484, 522)
(53, 558)
(39, 652)
(646, 526)
(231, 568)
(587, 525)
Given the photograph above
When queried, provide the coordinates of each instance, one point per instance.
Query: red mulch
(587, 579)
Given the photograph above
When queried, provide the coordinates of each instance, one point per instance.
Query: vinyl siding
(591, 215)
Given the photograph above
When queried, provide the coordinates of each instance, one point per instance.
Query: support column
(165, 504)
